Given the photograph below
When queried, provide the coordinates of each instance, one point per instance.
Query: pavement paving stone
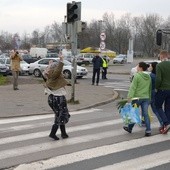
(31, 100)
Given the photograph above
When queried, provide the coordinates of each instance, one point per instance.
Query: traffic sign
(102, 45)
(102, 36)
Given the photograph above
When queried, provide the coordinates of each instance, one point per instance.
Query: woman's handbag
(130, 114)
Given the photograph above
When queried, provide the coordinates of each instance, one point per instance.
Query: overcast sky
(19, 16)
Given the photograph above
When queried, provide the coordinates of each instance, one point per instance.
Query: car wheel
(37, 73)
(122, 62)
(67, 74)
(87, 63)
(114, 62)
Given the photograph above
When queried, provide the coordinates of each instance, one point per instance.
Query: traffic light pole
(73, 15)
(74, 64)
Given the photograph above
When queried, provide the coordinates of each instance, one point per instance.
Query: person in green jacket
(141, 88)
(162, 84)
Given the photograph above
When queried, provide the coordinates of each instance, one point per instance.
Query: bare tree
(147, 33)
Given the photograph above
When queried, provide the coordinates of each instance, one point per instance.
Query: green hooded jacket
(140, 86)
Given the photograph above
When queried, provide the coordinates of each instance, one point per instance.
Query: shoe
(166, 129)
(54, 137)
(16, 88)
(147, 134)
(127, 129)
(64, 136)
(97, 84)
(161, 129)
(92, 84)
(143, 125)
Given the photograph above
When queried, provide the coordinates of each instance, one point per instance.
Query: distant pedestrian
(163, 91)
(55, 88)
(141, 88)
(15, 67)
(104, 67)
(152, 68)
(97, 64)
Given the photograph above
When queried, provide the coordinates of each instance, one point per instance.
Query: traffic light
(84, 25)
(73, 12)
(159, 37)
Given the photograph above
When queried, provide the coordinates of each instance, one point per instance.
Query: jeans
(163, 97)
(154, 108)
(104, 72)
(96, 71)
(144, 103)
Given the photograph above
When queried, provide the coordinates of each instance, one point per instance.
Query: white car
(134, 69)
(84, 58)
(121, 59)
(39, 66)
(23, 65)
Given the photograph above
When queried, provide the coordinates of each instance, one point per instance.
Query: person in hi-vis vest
(104, 67)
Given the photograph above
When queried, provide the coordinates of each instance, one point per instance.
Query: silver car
(39, 66)
(23, 65)
(121, 59)
(4, 69)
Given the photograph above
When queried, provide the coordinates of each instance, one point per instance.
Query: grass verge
(3, 80)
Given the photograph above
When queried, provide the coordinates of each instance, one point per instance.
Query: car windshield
(66, 63)
(26, 56)
(2, 61)
(121, 56)
(23, 62)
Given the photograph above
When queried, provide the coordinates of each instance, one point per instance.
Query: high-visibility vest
(105, 64)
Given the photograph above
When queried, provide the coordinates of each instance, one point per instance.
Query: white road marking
(39, 117)
(70, 129)
(148, 161)
(92, 153)
(70, 141)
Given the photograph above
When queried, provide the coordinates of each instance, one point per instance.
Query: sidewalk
(30, 99)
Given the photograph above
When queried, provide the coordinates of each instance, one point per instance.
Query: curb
(115, 96)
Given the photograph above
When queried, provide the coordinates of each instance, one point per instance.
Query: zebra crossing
(96, 141)
(120, 86)
(117, 84)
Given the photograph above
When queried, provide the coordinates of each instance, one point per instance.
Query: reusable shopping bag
(130, 114)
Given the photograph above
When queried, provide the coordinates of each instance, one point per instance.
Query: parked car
(28, 58)
(68, 58)
(84, 58)
(23, 65)
(52, 55)
(134, 69)
(39, 66)
(4, 69)
(121, 59)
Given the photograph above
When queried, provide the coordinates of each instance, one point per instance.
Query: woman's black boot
(63, 132)
(53, 132)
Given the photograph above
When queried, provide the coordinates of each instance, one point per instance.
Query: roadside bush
(3, 79)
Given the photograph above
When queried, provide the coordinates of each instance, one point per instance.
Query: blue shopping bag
(130, 114)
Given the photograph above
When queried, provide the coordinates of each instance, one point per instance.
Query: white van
(38, 52)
